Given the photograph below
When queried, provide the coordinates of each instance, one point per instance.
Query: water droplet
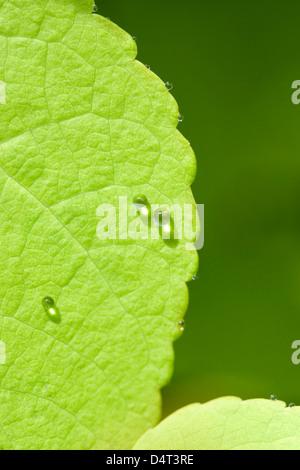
(181, 325)
(141, 203)
(195, 277)
(180, 118)
(165, 221)
(168, 234)
(148, 67)
(161, 217)
(95, 9)
(134, 38)
(273, 398)
(292, 405)
(140, 199)
(51, 310)
(169, 86)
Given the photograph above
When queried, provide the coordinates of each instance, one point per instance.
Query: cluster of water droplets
(161, 217)
(169, 87)
(274, 398)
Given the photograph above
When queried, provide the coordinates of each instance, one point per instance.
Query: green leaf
(227, 424)
(83, 123)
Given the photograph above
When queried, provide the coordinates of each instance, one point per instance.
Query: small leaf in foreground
(227, 424)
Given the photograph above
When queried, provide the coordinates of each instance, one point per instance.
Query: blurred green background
(232, 64)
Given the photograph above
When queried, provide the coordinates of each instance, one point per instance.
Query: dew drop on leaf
(180, 118)
(167, 230)
(148, 67)
(169, 86)
(140, 200)
(181, 325)
(273, 398)
(160, 217)
(141, 203)
(165, 221)
(195, 277)
(292, 405)
(51, 309)
(95, 9)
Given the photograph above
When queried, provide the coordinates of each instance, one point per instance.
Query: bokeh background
(232, 64)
